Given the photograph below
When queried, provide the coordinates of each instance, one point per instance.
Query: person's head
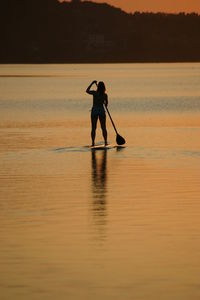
(101, 87)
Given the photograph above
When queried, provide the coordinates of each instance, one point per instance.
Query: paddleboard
(102, 147)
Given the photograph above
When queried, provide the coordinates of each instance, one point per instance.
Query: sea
(119, 223)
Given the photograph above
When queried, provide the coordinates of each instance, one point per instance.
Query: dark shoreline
(51, 32)
(98, 62)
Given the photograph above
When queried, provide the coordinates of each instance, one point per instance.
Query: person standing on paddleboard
(100, 99)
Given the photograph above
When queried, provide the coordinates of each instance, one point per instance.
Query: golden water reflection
(99, 190)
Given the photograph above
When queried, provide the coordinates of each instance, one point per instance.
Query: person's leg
(102, 119)
(94, 119)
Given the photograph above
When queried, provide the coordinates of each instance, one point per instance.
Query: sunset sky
(156, 5)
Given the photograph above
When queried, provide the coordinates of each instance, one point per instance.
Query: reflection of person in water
(99, 179)
(100, 99)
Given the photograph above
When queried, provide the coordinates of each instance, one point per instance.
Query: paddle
(119, 139)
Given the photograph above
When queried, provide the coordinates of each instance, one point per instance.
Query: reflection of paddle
(119, 139)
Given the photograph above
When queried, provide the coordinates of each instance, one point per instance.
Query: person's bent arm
(88, 91)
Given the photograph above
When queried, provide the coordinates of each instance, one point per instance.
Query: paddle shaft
(111, 119)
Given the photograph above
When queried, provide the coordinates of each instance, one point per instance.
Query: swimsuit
(98, 108)
(98, 111)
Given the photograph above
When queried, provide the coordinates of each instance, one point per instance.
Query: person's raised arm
(88, 91)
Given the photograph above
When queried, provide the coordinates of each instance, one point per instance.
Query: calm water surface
(118, 224)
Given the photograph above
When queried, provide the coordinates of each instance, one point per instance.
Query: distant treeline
(47, 31)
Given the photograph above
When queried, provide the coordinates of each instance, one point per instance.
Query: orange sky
(156, 5)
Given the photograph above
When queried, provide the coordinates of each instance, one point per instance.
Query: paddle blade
(120, 140)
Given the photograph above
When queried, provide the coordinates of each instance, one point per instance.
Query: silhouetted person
(100, 99)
